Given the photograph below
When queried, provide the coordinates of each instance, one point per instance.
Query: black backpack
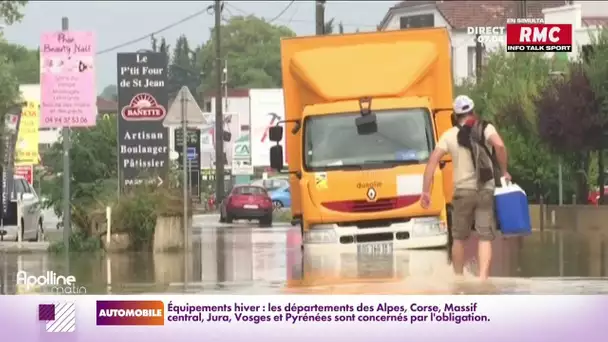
(491, 154)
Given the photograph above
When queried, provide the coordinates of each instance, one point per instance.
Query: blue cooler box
(512, 210)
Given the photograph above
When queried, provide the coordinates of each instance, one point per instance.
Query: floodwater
(246, 260)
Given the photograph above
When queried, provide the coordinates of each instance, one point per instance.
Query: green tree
(93, 160)
(110, 93)
(12, 11)
(252, 48)
(162, 47)
(26, 62)
(569, 121)
(328, 28)
(596, 69)
(182, 68)
(340, 28)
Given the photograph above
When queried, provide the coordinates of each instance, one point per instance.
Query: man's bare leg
(458, 256)
(485, 259)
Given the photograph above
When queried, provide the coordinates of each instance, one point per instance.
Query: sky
(115, 23)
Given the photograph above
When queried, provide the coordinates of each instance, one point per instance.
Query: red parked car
(594, 196)
(247, 202)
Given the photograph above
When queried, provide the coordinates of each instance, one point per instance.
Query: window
(31, 189)
(244, 128)
(417, 21)
(249, 190)
(207, 106)
(18, 188)
(26, 186)
(404, 136)
(471, 61)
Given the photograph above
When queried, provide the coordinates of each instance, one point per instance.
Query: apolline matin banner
(304, 318)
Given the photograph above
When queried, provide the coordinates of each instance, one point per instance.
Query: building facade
(456, 16)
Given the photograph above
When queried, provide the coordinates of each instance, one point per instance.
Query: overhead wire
(208, 10)
(151, 34)
(236, 9)
(282, 12)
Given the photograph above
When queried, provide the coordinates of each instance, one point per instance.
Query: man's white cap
(463, 104)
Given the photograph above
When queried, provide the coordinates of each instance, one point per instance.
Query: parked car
(31, 219)
(272, 183)
(281, 198)
(247, 202)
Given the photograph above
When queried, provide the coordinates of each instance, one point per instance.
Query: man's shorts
(473, 206)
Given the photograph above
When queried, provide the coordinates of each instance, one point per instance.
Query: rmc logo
(539, 37)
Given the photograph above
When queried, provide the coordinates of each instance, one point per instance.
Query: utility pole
(320, 17)
(65, 132)
(219, 119)
(225, 84)
(185, 161)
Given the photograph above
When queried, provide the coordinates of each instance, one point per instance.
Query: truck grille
(363, 206)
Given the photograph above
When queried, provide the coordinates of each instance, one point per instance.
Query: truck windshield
(404, 136)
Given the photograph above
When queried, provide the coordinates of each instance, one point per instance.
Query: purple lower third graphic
(46, 312)
(59, 317)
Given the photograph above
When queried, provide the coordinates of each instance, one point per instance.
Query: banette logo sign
(143, 107)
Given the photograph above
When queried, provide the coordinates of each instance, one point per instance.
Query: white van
(24, 213)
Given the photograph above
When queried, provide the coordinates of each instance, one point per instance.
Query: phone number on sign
(67, 120)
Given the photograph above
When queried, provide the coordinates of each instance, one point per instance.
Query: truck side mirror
(276, 157)
(275, 133)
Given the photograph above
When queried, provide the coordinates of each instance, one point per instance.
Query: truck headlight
(321, 233)
(426, 226)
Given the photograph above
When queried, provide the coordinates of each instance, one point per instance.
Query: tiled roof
(234, 92)
(105, 106)
(595, 21)
(462, 14)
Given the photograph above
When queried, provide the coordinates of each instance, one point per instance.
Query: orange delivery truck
(363, 112)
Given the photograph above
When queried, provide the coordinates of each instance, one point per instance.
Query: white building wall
(48, 137)
(238, 127)
(460, 40)
(593, 8)
(393, 23)
(238, 105)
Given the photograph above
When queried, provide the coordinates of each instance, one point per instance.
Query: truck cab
(363, 114)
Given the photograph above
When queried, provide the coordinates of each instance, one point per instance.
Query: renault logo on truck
(371, 194)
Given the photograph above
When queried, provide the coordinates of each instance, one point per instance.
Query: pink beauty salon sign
(67, 79)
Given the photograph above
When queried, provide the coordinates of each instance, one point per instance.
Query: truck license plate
(384, 248)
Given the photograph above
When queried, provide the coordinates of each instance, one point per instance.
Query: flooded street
(250, 260)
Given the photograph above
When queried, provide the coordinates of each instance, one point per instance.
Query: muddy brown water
(248, 260)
